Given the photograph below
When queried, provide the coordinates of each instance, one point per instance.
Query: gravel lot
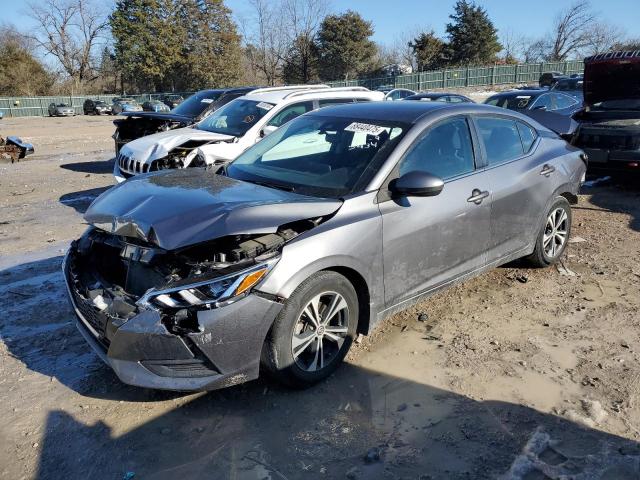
(518, 374)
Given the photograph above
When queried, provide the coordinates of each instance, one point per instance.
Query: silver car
(61, 110)
(191, 279)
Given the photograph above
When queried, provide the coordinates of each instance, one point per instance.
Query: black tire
(277, 355)
(541, 257)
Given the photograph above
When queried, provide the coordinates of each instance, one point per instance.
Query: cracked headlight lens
(209, 293)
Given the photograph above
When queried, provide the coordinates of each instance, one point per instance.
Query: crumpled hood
(158, 145)
(178, 208)
(614, 76)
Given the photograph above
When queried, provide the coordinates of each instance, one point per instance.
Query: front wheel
(314, 330)
(553, 237)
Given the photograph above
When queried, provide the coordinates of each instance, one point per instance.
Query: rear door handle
(547, 170)
(477, 196)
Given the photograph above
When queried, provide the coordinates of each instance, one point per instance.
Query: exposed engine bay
(112, 277)
(133, 127)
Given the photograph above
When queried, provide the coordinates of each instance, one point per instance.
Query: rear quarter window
(527, 135)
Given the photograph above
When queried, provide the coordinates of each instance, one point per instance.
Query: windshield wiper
(277, 186)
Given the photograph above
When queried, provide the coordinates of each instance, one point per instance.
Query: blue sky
(390, 18)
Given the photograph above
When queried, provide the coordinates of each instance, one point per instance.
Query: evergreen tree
(472, 37)
(429, 51)
(344, 46)
(301, 62)
(180, 45)
(211, 52)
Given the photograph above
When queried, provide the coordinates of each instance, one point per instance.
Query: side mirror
(416, 184)
(268, 130)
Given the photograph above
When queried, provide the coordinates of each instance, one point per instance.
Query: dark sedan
(192, 110)
(440, 97)
(172, 101)
(154, 106)
(529, 100)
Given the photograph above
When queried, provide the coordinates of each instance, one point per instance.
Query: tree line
(78, 46)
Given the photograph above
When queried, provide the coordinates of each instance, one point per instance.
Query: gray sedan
(190, 280)
(61, 110)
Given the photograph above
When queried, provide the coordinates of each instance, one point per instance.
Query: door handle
(547, 170)
(477, 196)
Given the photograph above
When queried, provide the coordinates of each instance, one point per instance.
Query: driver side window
(446, 151)
(289, 113)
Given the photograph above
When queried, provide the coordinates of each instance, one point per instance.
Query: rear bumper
(142, 352)
(621, 161)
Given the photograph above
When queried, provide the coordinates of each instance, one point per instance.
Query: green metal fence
(466, 77)
(38, 106)
(448, 78)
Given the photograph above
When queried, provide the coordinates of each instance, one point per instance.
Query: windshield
(236, 117)
(196, 104)
(513, 102)
(319, 156)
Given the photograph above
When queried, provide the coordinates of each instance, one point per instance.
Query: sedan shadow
(81, 200)
(98, 166)
(358, 424)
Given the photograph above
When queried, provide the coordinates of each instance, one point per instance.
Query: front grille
(131, 166)
(608, 141)
(89, 312)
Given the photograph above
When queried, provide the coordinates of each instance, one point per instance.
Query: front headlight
(209, 293)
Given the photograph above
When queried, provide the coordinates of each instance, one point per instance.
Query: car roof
(404, 112)
(278, 95)
(515, 93)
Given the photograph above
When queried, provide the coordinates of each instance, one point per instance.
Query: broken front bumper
(142, 352)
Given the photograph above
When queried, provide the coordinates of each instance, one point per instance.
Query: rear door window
(289, 113)
(501, 139)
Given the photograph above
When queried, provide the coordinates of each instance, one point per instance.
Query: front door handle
(477, 196)
(547, 170)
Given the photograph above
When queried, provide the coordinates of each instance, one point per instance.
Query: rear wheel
(553, 237)
(314, 330)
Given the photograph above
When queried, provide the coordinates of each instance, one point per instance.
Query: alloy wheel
(555, 232)
(320, 331)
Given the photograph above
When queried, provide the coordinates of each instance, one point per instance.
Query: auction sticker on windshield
(206, 100)
(264, 106)
(365, 128)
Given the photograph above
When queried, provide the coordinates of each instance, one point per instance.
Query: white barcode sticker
(206, 100)
(265, 106)
(365, 128)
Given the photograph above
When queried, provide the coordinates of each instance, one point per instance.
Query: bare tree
(602, 38)
(265, 34)
(571, 31)
(302, 19)
(69, 30)
(514, 45)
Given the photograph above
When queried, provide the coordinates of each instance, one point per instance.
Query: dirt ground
(518, 374)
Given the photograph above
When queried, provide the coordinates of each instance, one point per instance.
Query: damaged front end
(186, 319)
(133, 127)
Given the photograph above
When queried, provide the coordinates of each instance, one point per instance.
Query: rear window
(511, 102)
